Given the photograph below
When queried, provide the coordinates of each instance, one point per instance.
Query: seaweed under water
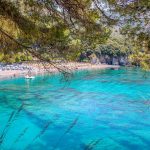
(11, 119)
(92, 144)
(67, 131)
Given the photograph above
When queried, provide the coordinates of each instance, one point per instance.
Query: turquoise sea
(91, 110)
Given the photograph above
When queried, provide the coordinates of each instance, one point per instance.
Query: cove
(92, 110)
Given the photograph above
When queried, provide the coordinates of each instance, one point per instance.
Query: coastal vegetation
(52, 29)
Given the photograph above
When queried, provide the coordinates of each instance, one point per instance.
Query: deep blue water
(96, 110)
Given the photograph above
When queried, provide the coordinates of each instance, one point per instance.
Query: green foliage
(54, 25)
(111, 51)
(141, 59)
(14, 58)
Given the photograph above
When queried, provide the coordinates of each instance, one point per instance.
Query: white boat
(29, 77)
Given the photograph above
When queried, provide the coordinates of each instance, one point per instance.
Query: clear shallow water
(98, 110)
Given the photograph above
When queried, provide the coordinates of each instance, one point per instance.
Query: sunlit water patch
(106, 109)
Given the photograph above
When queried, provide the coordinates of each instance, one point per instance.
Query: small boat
(29, 77)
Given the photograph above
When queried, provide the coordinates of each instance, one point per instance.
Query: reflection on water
(107, 109)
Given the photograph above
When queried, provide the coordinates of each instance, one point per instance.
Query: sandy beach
(47, 68)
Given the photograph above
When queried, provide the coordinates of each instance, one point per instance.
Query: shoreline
(38, 69)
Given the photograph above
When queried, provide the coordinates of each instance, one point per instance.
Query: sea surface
(88, 110)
